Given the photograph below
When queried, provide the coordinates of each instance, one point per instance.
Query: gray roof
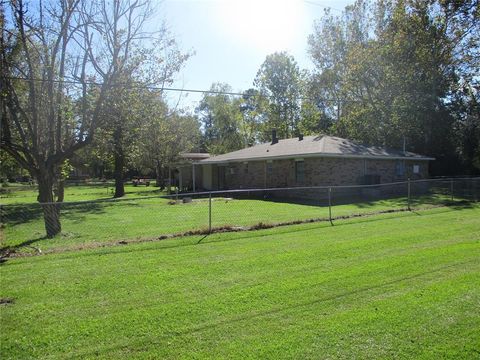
(194, 156)
(312, 146)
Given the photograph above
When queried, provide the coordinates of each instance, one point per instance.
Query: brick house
(310, 161)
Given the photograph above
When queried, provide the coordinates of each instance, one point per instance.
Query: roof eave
(295, 156)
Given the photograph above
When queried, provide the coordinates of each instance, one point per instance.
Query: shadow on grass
(251, 234)
(362, 201)
(21, 214)
(27, 243)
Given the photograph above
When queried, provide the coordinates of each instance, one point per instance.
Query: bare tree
(59, 62)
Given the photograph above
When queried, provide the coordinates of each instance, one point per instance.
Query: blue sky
(231, 38)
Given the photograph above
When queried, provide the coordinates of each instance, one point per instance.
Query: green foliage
(279, 80)
(9, 169)
(221, 118)
(394, 67)
(163, 136)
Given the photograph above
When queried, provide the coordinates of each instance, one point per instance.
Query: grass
(20, 194)
(103, 222)
(391, 286)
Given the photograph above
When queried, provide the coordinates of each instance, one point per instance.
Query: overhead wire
(315, 3)
(136, 85)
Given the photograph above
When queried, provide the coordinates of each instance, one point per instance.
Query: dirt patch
(6, 301)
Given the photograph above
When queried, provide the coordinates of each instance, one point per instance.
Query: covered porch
(186, 174)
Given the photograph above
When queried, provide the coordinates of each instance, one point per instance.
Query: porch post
(169, 180)
(193, 176)
(180, 178)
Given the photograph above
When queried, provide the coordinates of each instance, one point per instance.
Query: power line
(314, 3)
(172, 89)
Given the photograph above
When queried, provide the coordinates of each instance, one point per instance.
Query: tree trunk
(51, 210)
(159, 176)
(118, 174)
(61, 190)
(119, 163)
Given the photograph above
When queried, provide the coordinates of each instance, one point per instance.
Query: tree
(125, 106)
(393, 68)
(66, 52)
(315, 115)
(253, 107)
(163, 136)
(279, 80)
(222, 120)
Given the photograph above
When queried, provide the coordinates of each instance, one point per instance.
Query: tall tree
(222, 120)
(49, 53)
(393, 67)
(253, 107)
(163, 136)
(279, 80)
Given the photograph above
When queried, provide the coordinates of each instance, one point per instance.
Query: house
(310, 161)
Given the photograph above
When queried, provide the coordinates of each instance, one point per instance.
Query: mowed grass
(90, 223)
(390, 286)
(20, 194)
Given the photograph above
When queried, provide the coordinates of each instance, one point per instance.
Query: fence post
(475, 195)
(330, 205)
(209, 213)
(408, 192)
(176, 194)
(451, 189)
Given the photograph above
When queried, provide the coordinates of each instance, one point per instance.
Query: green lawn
(391, 286)
(16, 194)
(137, 219)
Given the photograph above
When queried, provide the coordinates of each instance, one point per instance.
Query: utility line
(321, 5)
(172, 89)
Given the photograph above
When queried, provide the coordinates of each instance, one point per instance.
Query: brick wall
(318, 172)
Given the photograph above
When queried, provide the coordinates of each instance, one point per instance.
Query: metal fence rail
(110, 220)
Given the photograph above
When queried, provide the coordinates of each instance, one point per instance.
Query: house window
(416, 169)
(299, 171)
(245, 167)
(400, 168)
(269, 167)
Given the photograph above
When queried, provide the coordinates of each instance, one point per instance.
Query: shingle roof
(312, 146)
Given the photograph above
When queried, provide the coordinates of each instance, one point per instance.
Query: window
(245, 167)
(269, 167)
(416, 169)
(400, 168)
(299, 171)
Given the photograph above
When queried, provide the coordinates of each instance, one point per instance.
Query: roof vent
(300, 137)
(274, 136)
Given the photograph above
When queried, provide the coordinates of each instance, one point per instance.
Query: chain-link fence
(153, 217)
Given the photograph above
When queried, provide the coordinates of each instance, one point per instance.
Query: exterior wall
(321, 171)
(333, 171)
(206, 177)
(245, 175)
